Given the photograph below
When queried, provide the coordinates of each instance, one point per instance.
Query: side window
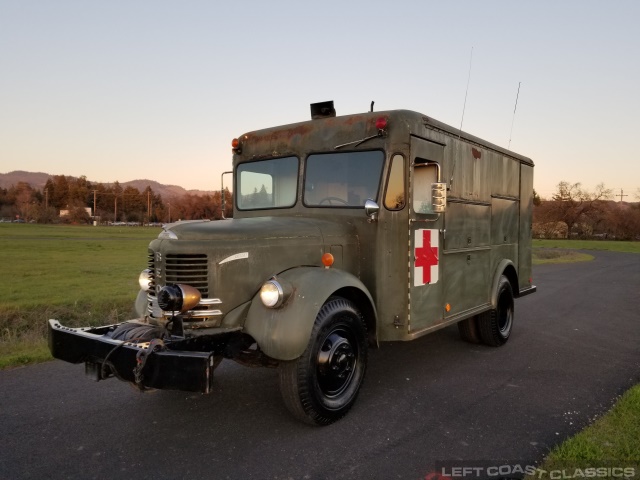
(395, 197)
(424, 174)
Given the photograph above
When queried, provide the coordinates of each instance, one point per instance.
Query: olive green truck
(347, 231)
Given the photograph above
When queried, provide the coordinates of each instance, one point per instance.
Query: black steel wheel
(469, 330)
(496, 324)
(320, 386)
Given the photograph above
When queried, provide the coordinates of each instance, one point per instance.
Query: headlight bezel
(272, 293)
(145, 280)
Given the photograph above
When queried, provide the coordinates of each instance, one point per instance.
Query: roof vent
(322, 110)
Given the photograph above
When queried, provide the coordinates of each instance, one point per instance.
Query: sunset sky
(125, 90)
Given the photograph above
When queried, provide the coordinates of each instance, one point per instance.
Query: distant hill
(35, 179)
(38, 180)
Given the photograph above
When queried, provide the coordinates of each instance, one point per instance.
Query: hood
(247, 229)
(241, 254)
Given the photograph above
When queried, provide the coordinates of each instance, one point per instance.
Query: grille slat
(190, 269)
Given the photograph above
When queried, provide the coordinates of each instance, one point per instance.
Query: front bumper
(167, 369)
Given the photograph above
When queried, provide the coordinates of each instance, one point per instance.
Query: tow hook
(155, 345)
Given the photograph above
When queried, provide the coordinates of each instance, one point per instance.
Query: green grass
(558, 255)
(80, 275)
(61, 265)
(612, 246)
(612, 441)
(566, 251)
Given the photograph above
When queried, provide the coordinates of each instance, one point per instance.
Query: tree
(22, 196)
(536, 198)
(576, 207)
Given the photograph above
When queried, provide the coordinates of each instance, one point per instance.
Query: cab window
(267, 184)
(395, 196)
(345, 179)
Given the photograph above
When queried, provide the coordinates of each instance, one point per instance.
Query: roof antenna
(464, 106)
(372, 102)
(514, 116)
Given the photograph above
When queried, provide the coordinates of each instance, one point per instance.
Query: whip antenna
(514, 116)
(464, 106)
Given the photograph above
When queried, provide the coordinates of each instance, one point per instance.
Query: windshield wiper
(359, 142)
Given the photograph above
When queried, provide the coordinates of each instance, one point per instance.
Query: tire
(496, 324)
(322, 384)
(469, 330)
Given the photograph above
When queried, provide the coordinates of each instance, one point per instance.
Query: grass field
(541, 255)
(81, 275)
(612, 246)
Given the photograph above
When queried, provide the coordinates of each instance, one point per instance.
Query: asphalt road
(573, 351)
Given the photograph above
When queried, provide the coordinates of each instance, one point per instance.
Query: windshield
(345, 179)
(267, 184)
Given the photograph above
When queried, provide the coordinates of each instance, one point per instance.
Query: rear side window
(424, 175)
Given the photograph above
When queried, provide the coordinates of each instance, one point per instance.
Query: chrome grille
(190, 269)
(152, 267)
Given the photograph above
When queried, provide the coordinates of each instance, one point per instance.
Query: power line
(622, 194)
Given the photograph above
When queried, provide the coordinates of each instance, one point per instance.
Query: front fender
(283, 333)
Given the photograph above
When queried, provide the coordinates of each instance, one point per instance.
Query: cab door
(425, 237)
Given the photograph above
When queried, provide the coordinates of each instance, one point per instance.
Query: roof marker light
(381, 123)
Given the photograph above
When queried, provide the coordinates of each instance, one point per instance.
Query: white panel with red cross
(426, 254)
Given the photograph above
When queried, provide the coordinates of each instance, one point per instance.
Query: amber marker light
(235, 143)
(447, 307)
(327, 260)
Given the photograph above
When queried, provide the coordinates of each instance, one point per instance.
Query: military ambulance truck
(347, 231)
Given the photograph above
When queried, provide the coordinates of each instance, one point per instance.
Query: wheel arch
(505, 268)
(283, 333)
(364, 302)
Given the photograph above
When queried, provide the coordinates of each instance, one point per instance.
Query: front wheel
(320, 386)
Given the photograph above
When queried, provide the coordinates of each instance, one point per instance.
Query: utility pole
(94, 203)
(148, 205)
(115, 208)
(622, 194)
(46, 198)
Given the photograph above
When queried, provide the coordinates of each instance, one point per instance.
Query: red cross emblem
(426, 257)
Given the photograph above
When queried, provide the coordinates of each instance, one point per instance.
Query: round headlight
(146, 280)
(272, 294)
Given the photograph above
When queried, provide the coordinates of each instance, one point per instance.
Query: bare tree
(576, 207)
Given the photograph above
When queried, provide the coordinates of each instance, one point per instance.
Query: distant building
(66, 213)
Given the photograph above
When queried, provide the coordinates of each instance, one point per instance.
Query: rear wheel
(320, 386)
(495, 325)
(469, 330)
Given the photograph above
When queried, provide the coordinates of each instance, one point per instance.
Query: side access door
(425, 237)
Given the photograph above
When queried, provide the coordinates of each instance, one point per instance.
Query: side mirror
(439, 197)
(371, 209)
